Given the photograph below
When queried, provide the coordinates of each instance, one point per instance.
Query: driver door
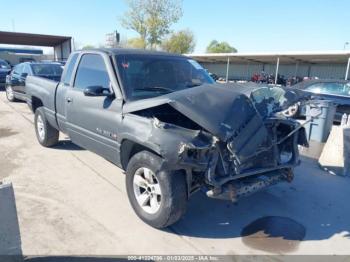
(93, 121)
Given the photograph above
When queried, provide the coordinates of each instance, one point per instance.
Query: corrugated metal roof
(310, 57)
(15, 38)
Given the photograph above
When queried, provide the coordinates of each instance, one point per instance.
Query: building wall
(245, 71)
(22, 50)
(63, 50)
(15, 59)
(329, 71)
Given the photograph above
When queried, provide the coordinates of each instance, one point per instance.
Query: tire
(170, 190)
(45, 133)
(9, 94)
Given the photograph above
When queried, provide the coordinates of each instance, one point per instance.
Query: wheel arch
(129, 148)
(36, 103)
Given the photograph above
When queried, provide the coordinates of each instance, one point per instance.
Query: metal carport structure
(62, 44)
(340, 58)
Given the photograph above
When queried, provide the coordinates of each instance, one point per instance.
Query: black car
(5, 68)
(337, 91)
(15, 81)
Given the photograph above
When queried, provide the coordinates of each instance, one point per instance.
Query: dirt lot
(71, 201)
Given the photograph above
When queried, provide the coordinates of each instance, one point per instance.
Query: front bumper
(234, 190)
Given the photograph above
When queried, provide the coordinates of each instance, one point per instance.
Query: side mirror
(97, 91)
(24, 75)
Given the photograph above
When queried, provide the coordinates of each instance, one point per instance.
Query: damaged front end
(231, 142)
(259, 155)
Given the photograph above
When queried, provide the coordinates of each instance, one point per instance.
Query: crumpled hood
(220, 110)
(269, 99)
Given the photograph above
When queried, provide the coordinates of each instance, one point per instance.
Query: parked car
(5, 68)
(27, 59)
(61, 62)
(9, 63)
(162, 119)
(337, 91)
(15, 81)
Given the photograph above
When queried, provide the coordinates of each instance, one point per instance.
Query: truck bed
(44, 90)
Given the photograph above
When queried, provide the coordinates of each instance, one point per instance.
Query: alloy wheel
(147, 190)
(40, 127)
(9, 93)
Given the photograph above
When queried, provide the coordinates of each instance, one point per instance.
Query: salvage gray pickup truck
(162, 119)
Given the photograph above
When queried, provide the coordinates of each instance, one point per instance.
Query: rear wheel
(45, 133)
(9, 94)
(157, 196)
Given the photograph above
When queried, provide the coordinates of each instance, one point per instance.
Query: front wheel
(157, 196)
(46, 134)
(9, 94)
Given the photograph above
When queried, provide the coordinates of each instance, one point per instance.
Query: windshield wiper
(154, 88)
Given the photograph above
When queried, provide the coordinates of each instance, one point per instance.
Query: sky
(248, 25)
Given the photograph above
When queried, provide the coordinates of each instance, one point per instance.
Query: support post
(296, 69)
(227, 68)
(347, 69)
(277, 67)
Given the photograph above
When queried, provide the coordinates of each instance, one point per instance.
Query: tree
(220, 47)
(135, 18)
(136, 42)
(179, 42)
(85, 47)
(151, 19)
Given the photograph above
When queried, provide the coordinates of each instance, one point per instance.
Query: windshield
(330, 88)
(47, 69)
(4, 65)
(145, 76)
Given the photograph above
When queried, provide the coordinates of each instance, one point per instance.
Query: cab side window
(70, 68)
(91, 71)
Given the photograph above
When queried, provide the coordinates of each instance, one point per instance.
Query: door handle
(69, 100)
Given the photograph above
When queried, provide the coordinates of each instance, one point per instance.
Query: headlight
(285, 157)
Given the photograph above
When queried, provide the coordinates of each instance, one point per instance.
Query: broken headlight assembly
(285, 157)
